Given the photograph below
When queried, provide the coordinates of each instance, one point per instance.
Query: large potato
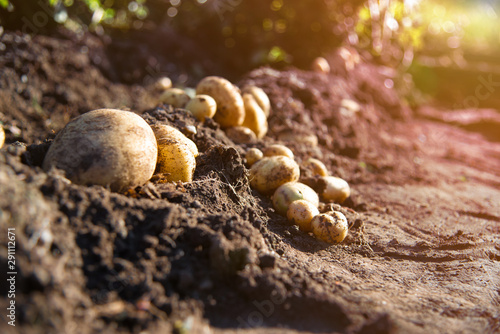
(290, 192)
(269, 173)
(260, 96)
(255, 119)
(230, 108)
(107, 147)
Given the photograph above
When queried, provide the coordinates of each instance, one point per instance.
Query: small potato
(241, 135)
(176, 97)
(336, 189)
(290, 192)
(105, 147)
(271, 172)
(202, 106)
(316, 167)
(330, 227)
(321, 65)
(260, 96)
(163, 131)
(163, 83)
(274, 150)
(2, 136)
(253, 155)
(301, 213)
(230, 107)
(255, 119)
(309, 140)
(175, 160)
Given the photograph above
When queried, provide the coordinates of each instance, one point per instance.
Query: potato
(301, 213)
(260, 96)
(163, 131)
(241, 134)
(202, 106)
(255, 119)
(230, 108)
(274, 150)
(105, 147)
(330, 227)
(290, 192)
(253, 155)
(175, 160)
(316, 167)
(176, 97)
(163, 83)
(309, 140)
(321, 65)
(271, 172)
(336, 189)
(2, 136)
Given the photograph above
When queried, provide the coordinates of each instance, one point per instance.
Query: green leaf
(4, 3)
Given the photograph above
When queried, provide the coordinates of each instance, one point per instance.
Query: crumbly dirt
(212, 256)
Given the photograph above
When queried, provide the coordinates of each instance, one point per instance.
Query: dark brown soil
(212, 256)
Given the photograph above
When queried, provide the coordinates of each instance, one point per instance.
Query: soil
(212, 256)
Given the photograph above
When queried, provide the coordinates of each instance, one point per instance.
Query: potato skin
(253, 155)
(277, 149)
(202, 106)
(292, 191)
(336, 189)
(230, 108)
(330, 227)
(241, 134)
(175, 160)
(316, 167)
(105, 147)
(175, 97)
(255, 119)
(163, 131)
(269, 173)
(301, 213)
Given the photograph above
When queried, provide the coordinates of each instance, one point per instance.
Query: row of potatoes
(273, 170)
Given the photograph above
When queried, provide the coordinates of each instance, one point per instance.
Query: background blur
(444, 47)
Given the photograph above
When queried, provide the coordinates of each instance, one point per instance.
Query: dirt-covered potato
(269, 173)
(336, 189)
(321, 65)
(277, 149)
(241, 134)
(290, 192)
(260, 96)
(255, 119)
(163, 131)
(315, 167)
(176, 154)
(202, 106)
(253, 155)
(301, 213)
(105, 147)
(230, 108)
(176, 97)
(2, 136)
(330, 227)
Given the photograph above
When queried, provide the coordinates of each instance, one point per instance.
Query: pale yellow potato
(175, 160)
(316, 167)
(2, 136)
(330, 227)
(163, 131)
(301, 213)
(176, 97)
(255, 119)
(260, 96)
(108, 147)
(202, 106)
(269, 173)
(241, 134)
(336, 189)
(277, 149)
(163, 83)
(230, 107)
(253, 155)
(321, 65)
(290, 192)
